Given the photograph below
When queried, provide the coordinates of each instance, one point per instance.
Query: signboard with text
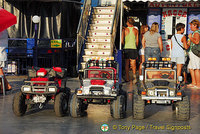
(56, 43)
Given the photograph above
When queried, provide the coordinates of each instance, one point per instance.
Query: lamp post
(36, 20)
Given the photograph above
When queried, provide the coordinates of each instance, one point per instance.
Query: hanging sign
(173, 4)
(174, 12)
(56, 43)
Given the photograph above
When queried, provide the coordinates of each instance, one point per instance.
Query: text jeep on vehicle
(99, 86)
(160, 86)
(43, 86)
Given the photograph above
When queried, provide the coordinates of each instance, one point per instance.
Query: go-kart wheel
(138, 107)
(19, 107)
(61, 104)
(183, 109)
(76, 106)
(118, 107)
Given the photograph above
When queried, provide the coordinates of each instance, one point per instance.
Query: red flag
(7, 19)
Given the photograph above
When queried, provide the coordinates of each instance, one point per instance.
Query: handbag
(185, 50)
(196, 49)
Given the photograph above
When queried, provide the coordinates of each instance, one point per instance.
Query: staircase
(98, 42)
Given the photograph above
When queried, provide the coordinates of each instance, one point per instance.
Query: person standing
(3, 56)
(143, 30)
(178, 44)
(130, 37)
(152, 43)
(194, 63)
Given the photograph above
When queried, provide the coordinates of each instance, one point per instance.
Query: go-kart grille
(160, 83)
(96, 88)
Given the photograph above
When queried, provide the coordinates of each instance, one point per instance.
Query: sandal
(195, 87)
(191, 85)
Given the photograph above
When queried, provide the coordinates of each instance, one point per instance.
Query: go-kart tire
(138, 107)
(61, 104)
(183, 109)
(19, 107)
(118, 107)
(76, 106)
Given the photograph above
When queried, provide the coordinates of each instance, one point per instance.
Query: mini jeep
(99, 85)
(43, 86)
(159, 85)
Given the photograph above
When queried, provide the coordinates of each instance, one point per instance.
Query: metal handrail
(115, 21)
(81, 17)
(83, 27)
(114, 17)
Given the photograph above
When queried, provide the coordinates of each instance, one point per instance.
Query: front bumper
(96, 97)
(46, 88)
(161, 98)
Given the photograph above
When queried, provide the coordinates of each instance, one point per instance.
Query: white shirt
(177, 50)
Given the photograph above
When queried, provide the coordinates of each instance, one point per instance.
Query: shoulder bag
(196, 49)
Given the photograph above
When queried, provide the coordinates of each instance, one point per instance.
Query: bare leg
(127, 69)
(141, 62)
(197, 77)
(179, 67)
(133, 66)
(185, 77)
(193, 77)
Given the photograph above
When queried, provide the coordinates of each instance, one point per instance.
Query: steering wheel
(104, 74)
(166, 75)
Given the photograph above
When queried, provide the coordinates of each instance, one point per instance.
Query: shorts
(178, 60)
(194, 62)
(141, 52)
(130, 53)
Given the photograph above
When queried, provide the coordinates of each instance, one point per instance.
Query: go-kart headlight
(52, 89)
(172, 93)
(40, 74)
(150, 92)
(27, 89)
(149, 85)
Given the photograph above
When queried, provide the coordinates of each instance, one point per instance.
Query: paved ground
(158, 118)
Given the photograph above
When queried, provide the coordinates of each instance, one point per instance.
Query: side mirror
(180, 78)
(141, 77)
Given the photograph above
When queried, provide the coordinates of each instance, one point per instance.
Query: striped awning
(161, 0)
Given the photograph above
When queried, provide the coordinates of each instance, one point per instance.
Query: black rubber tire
(76, 106)
(19, 107)
(118, 107)
(183, 109)
(61, 104)
(138, 107)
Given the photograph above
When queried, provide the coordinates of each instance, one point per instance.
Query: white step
(99, 52)
(99, 31)
(86, 58)
(99, 39)
(104, 11)
(98, 46)
(102, 8)
(108, 21)
(103, 16)
(96, 27)
(95, 34)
